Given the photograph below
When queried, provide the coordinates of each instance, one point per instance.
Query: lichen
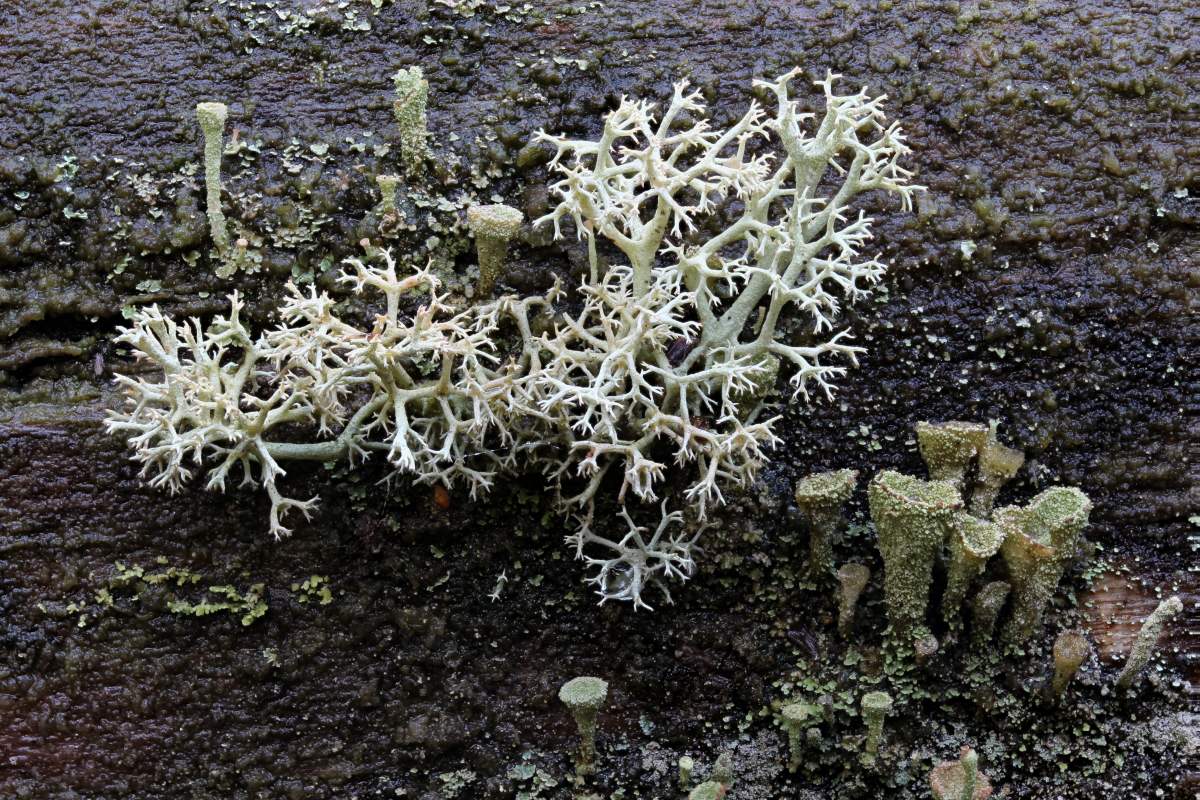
(852, 579)
(949, 448)
(972, 542)
(821, 497)
(1039, 540)
(658, 351)
(875, 708)
(912, 518)
(1070, 650)
(409, 107)
(1147, 638)
(960, 779)
(985, 611)
(584, 696)
(998, 465)
(493, 226)
(212, 122)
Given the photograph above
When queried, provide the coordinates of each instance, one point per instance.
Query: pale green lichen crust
(911, 519)
(948, 448)
(821, 497)
(1147, 638)
(212, 122)
(1039, 540)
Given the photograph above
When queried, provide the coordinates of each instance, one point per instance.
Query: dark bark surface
(1062, 140)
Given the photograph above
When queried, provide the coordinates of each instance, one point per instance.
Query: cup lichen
(584, 696)
(911, 518)
(948, 448)
(1071, 648)
(387, 192)
(722, 771)
(998, 465)
(412, 98)
(821, 497)
(925, 648)
(875, 708)
(796, 716)
(709, 790)
(972, 542)
(960, 779)
(493, 226)
(985, 611)
(686, 765)
(852, 580)
(1039, 540)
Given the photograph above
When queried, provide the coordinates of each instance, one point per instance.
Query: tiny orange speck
(441, 498)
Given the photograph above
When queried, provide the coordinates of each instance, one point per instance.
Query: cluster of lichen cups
(944, 525)
(949, 520)
(947, 525)
(897, 505)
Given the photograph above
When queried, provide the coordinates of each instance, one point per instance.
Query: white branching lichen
(665, 358)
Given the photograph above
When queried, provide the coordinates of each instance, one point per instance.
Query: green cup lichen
(412, 98)
(494, 226)
(960, 779)
(212, 122)
(997, 466)
(1070, 650)
(686, 765)
(985, 611)
(796, 716)
(911, 519)
(584, 696)
(852, 580)
(1039, 540)
(1147, 638)
(972, 542)
(821, 497)
(949, 447)
(875, 708)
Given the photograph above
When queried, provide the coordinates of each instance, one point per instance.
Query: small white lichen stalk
(668, 357)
